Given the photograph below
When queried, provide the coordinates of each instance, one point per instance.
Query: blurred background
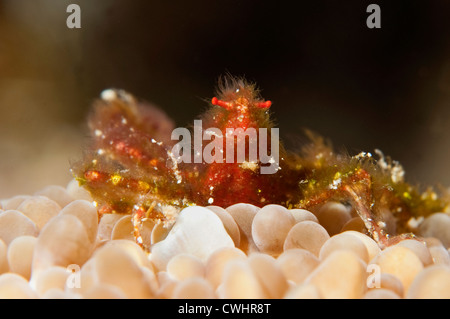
(317, 62)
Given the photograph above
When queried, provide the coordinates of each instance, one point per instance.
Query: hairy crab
(131, 167)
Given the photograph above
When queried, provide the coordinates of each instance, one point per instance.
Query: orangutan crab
(131, 167)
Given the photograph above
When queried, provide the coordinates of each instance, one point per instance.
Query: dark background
(317, 62)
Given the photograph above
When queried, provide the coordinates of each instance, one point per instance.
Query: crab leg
(356, 188)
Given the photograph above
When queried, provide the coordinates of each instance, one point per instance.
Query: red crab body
(229, 180)
(132, 168)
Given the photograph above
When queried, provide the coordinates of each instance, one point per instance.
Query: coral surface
(52, 246)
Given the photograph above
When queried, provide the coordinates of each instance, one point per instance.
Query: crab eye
(225, 105)
(264, 105)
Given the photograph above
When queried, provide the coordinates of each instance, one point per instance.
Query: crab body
(133, 166)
